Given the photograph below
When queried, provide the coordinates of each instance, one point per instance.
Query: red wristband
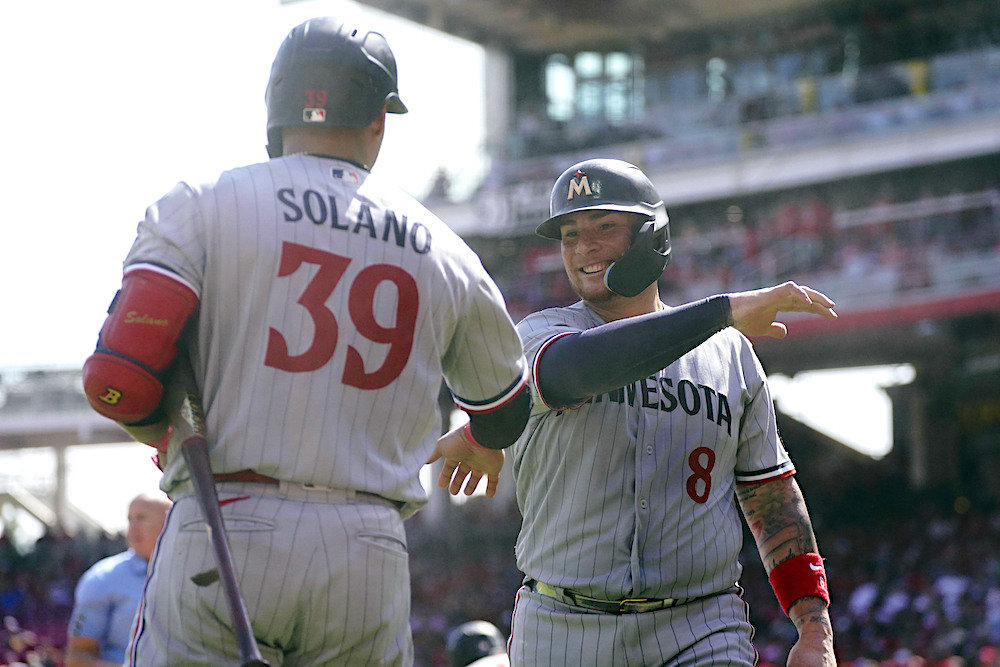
(467, 432)
(802, 576)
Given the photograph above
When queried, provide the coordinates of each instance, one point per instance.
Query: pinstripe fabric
(398, 293)
(632, 495)
(325, 583)
(331, 307)
(711, 631)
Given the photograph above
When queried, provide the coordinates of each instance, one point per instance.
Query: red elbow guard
(119, 388)
(138, 341)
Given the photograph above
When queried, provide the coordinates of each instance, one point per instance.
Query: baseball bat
(190, 424)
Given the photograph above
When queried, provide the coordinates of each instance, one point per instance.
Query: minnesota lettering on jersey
(661, 394)
(322, 209)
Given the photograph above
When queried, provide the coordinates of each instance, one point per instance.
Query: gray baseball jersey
(332, 305)
(632, 494)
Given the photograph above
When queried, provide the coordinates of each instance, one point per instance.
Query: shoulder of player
(385, 194)
(108, 567)
(183, 199)
(732, 338)
(575, 316)
(735, 349)
(538, 329)
(727, 346)
(198, 182)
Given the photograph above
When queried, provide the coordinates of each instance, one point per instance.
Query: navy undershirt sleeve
(616, 354)
(500, 428)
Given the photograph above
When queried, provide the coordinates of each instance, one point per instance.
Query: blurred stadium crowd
(915, 580)
(36, 591)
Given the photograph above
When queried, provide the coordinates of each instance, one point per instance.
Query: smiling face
(591, 242)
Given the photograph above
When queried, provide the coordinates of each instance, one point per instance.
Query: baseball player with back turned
(651, 423)
(319, 307)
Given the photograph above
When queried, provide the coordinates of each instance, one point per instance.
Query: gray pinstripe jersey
(331, 306)
(632, 493)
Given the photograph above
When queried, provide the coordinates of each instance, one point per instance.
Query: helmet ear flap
(644, 261)
(274, 143)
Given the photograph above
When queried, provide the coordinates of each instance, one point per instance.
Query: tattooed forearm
(777, 516)
(809, 610)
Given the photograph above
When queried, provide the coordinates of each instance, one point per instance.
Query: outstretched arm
(776, 514)
(576, 367)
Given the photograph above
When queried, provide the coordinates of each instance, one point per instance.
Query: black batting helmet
(474, 640)
(615, 185)
(329, 74)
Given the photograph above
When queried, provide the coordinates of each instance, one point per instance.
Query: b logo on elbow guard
(111, 396)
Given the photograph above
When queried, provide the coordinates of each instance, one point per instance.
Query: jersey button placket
(644, 502)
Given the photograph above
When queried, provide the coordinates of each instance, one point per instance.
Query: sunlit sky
(108, 103)
(849, 405)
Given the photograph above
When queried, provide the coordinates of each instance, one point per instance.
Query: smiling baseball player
(651, 424)
(320, 307)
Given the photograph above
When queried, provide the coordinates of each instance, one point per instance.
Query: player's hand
(808, 653)
(465, 463)
(814, 647)
(755, 313)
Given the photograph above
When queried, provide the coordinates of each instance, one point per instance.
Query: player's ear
(374, 133)
(377, 126)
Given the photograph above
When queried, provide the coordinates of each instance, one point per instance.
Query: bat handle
(195, 451)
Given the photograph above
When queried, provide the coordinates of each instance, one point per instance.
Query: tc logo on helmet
(578, 185)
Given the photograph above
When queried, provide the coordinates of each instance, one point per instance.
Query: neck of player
(616, 307)
(359, 145)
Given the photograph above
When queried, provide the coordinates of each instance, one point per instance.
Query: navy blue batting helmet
(327, 73)
(474, 640)
(615, 185)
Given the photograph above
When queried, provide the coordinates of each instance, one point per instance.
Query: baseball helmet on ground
(615, 185)
(474, 640)
(329, 74)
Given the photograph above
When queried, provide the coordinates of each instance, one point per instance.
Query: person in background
(108, 593)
